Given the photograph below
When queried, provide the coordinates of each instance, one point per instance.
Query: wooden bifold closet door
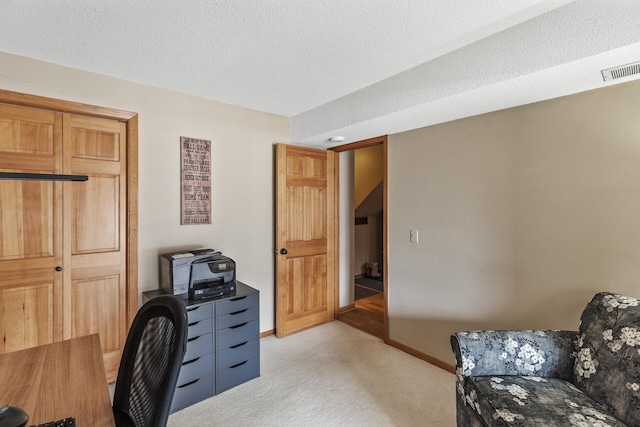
(63, 244)
(30, 229)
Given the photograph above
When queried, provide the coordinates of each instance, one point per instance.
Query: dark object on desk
(11, 416)
(65, 422)
(150, 363)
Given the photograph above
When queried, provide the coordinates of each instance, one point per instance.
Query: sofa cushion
(539, 353)
(534, 401)
(607, 364)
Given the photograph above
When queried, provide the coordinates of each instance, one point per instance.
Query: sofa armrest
(533, 353)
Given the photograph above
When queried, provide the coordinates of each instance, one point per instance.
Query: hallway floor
(368, 316)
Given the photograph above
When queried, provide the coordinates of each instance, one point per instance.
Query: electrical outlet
(413, 236)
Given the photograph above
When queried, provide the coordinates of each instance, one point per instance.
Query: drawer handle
(238, 299)
(238, 326)
(194, 323)
(239, 345)
(191, 361)
(194, 338)
(189, 383)
(238, 312)
(238, 364)
(193, 308)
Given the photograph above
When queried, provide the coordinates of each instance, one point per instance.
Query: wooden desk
(59, 380)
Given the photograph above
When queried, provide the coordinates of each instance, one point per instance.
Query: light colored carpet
(331, 375)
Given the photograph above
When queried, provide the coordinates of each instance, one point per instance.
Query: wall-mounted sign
(195, 177)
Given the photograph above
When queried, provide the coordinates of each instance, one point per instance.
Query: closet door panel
(30, 229)
(26, 317)
(27, 210)
(98, 307)
(95, 215)
(27, 130)
(101, 298)
(95, 245)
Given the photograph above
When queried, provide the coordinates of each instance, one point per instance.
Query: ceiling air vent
(622, 71)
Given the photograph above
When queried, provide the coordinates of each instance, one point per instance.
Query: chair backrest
(150, 363)
(607, 363)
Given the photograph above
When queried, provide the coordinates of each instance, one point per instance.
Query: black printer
(197, 274)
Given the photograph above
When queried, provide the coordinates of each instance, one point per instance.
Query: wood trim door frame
(383, 139)
(131, 121)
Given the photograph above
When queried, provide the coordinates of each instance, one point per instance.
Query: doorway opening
(363, 304)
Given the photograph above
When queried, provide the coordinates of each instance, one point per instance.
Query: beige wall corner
(524, 214)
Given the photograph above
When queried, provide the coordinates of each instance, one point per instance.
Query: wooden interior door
(305, 238)
(30, 229)
(95, 234)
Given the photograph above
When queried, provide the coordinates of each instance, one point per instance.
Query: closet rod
(42, 176)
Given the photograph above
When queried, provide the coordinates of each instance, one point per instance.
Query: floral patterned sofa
(554, 378)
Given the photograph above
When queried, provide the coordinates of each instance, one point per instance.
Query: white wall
(368, 171)
(346, 229)
(366, 245)
(242, 172)
(361, 248)
(523, 215)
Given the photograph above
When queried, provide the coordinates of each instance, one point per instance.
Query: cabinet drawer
(234, 375)
(196, 368)
(234, 304)
(238, 353)
(237, 317)
(199, 346)
(200, 312)
(190, 393)
(200, 327)
(237, 334)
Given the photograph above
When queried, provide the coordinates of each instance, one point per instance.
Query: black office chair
(150, 363)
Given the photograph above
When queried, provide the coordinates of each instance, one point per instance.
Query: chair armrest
(532, 353)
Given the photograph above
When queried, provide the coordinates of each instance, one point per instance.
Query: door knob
(283, 251)
(58, 268)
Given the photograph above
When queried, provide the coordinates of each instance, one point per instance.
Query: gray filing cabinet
(237, 341)
(223, 349)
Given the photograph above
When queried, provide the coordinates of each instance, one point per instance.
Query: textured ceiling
(358, 68)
